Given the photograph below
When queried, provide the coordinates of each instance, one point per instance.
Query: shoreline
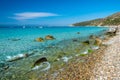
(83, 61)
(90, 68)
(109, 67)
(80, 68)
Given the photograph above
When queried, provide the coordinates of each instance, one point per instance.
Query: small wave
(41, 65)
(17, 57)
(65, 59)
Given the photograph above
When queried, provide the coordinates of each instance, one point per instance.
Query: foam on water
(65, 59)
(41, 65)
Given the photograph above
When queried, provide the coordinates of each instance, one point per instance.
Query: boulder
(98, 41)
(112, 32)
(39, 39)
(49, 37)
(39, 61)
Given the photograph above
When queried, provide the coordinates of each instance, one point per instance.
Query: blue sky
(55, 12)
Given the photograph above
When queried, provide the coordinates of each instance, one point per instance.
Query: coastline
(109, 67)
(100, 65)
(61, 68)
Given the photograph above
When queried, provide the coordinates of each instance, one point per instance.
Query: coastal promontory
(112, 20)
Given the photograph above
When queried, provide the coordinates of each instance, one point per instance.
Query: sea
(19, 40)
(16, 40)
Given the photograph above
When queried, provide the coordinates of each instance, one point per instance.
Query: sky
(55, 12)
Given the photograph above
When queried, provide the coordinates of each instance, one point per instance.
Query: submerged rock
(6, 67)
(74, 40)
(17, 57)
(49, 37)
(92, 37)
(14, 39)
(78, 32)
(86, 42)
(39, 39)
(3, 66)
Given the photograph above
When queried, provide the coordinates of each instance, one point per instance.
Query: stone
(17, 57)
(86, 42)
(78, 32)
(92, 37)
(112, 32)
(39, 61)
(98, 41)
(14, 39)
(39, 39)
(49, 37)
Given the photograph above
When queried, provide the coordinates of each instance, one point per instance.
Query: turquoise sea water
(28, 35)
(52, 55)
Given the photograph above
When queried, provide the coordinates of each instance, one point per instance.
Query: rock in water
(39, 61)
(112, 32)
(92, 37)
(78, 32)
(86, 42)
(17, 57)
(3, 66)
(98, 41)
(49, 37)
(39, 39)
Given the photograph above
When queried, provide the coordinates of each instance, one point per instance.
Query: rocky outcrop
(49, 37)
(112, 32)
(39, 39)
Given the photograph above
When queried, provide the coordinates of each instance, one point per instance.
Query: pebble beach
(102, 64)
(109, 67)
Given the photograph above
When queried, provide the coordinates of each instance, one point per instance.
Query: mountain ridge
(112, 20)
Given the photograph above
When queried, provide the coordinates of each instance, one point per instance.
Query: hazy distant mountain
(112, 20)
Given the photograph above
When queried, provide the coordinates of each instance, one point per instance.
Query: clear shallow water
(28, 35)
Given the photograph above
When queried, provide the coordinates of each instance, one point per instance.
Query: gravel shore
(109, 67)
(102, 64)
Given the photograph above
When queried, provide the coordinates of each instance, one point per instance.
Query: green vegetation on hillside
(112, 20)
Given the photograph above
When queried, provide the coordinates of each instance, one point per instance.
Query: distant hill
(112, 20)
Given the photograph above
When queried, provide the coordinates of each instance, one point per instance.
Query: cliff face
(112, 20)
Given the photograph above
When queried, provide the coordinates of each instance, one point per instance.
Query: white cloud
(31, 15)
